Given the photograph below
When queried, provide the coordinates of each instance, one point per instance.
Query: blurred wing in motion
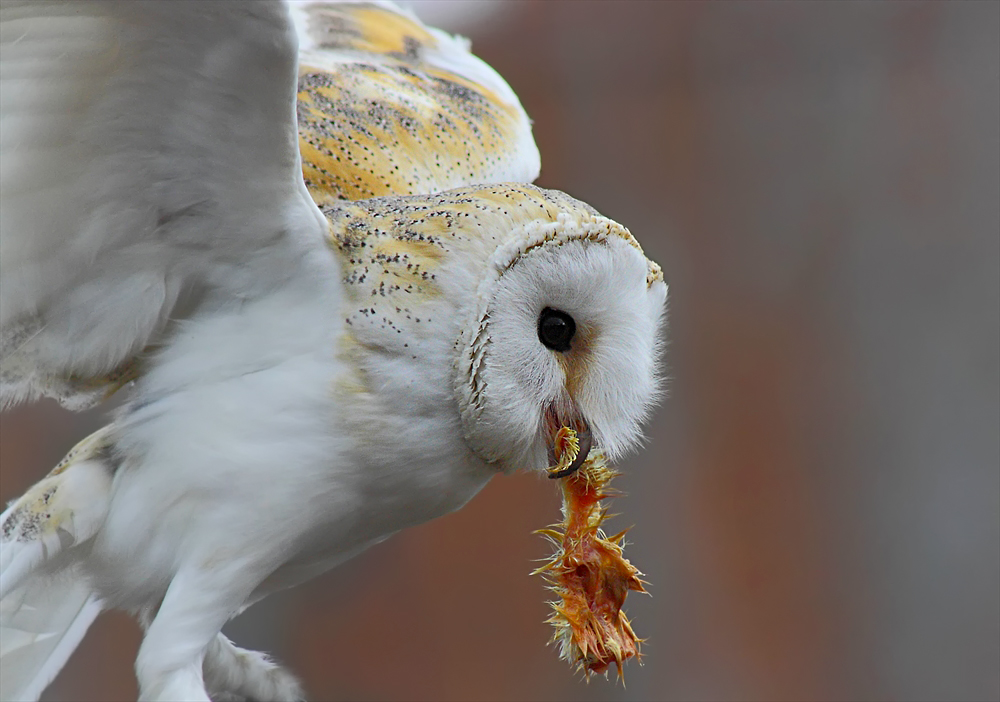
(388, 106)
(149, 162)
(151, 165)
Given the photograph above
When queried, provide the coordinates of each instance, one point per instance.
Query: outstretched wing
(149, 162)
(388, 106)
(151, 165)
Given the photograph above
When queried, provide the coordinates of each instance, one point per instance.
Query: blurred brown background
(818, 506)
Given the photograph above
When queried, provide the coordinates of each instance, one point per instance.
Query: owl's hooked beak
(559, 416)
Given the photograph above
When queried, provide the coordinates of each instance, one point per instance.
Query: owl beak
(574, 419)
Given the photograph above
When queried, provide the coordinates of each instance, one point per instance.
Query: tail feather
(46, 605)
(40, 627)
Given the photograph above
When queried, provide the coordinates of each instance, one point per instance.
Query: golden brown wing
(389, 106)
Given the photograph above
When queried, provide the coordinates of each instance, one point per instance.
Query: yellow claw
(567, 447)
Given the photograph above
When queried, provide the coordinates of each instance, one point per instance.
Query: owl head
(564, 332)
(545, 313)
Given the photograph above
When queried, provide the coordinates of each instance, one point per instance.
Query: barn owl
(300, 240)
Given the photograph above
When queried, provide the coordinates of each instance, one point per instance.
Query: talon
(586, 439)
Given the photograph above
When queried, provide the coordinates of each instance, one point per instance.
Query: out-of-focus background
(818, 505)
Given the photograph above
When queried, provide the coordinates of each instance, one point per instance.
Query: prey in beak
(588, 569)
(558, 418)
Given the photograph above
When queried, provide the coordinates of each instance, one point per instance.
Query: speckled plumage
(287, 262)
(407, 261)
(368, 130)
(387, 106)
(392, 251)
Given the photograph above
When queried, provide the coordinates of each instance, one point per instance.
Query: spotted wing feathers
(388, 106)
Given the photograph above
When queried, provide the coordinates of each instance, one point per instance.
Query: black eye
(556, 329)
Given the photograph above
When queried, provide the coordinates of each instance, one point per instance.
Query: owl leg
(232, 672)
(196, 606)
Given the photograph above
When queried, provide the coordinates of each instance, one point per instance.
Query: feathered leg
(234, 673)
(196, 606)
